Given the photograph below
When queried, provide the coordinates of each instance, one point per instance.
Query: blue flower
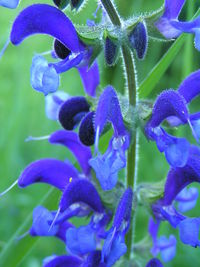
(108, 165)
(177, 179)
(44, 78)
(187, 199)
(114, 246)
(9, 3)
(46, 19)
(169, 25)
(172, 106)
(163, 245)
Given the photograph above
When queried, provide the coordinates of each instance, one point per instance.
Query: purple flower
(44, 78)
(187, 199)
(62, 261)
(163, 245)
(169, 25)
(172, 106)
(177, 179)
(108, 165)
(9, 3)
(114, 246)
(45, 19)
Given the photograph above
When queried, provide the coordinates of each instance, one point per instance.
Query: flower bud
(61, 3)
(138, 40)
(110, 51)
(86, 130)
(61, 50)
(72, 111)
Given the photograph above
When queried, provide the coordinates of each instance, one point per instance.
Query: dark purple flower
(154, 263)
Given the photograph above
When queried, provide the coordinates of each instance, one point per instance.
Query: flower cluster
(106, 238)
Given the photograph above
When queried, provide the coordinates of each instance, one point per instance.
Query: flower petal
(51, 171)
(167, 247)
(53, 103)
(179, 178)
(62, 261)
(189, 231)
(72, 111)
(187, 199)
(190, 88)
(108, 109)
(9, 3)
(72, 142)
(43, 78)
(123, 212)
(45, 19)
(168, 103)
(81, 191)
(80, 240)
(90, 78)
(86, 129)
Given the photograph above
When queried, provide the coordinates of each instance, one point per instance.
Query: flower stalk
(131, 85)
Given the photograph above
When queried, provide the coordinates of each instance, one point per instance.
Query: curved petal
(167, 247)
(179, 178)
(72, 142)
(72, 111)
(124, 209)
(51, 171)
(90, 78)
(45, 19)
(190, 87)
(62, 261)
(86, 130)
(108, 109)
(81, 191)
(168, 103)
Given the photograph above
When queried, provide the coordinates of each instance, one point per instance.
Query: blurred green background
(22, 114)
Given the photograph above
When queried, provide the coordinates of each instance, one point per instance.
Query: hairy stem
(112, 12)
(131, 155)
(131, 84)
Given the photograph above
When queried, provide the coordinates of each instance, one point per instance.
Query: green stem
(131, 155)
(112, 12)
(131, 84)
